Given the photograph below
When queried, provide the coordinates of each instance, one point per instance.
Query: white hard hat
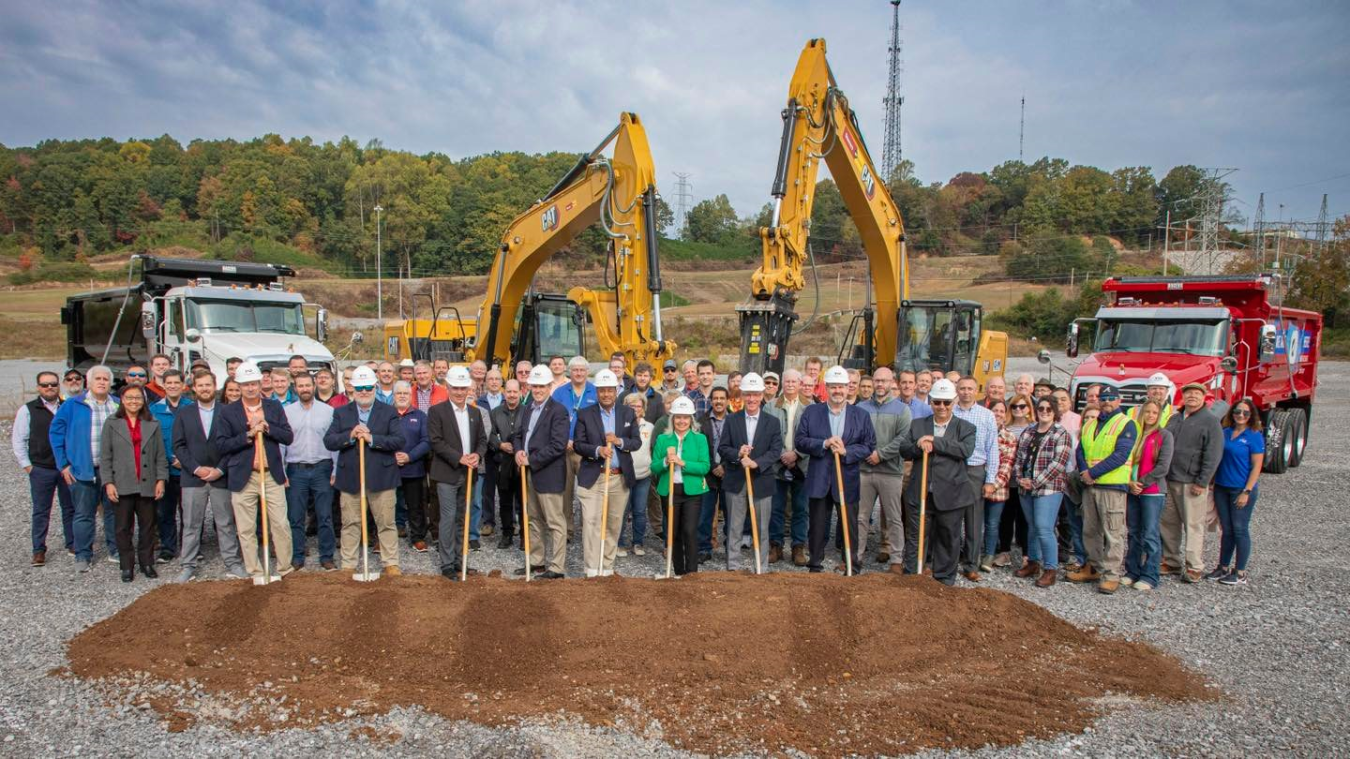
(407, 362)
(363, 376)
(458, 376)
(1159, 380)
(540, 375)
(682, 405)
(247, 372)
(943, 390)
(835, 375)
(606, 378)
(752, 383)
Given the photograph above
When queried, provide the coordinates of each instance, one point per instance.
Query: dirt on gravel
(712, 662)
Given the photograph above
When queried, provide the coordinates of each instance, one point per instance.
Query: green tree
(1321, 281)
(712, 221)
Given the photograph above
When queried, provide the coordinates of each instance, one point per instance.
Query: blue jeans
(1041, 512)
(43, 482)
(796, 490)
(310, 482)
(637, 510)
(706, 516)
(1076, 530)
(993, 514)
(166, 515)
(88, 496)
(1235, 522)
(477, 507)
(1143, 556)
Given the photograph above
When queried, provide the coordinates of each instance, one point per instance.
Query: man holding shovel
(251, 470)
(606, 434)
(377, 426)
(944, 442)
(751, 446)
(458, 444)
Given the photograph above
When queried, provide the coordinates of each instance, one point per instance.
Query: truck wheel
(1277, 442)
(1298, 434)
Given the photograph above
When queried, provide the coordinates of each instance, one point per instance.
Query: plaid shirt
(99, 415)
(1007, 451)
(1051, 460)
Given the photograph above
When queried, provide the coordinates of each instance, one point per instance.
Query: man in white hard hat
(751, 444)
(234, 437)
(949, 441)
(606, 435)
(540, 442)
(1159, 391)
(458, 444)
(365, 419)
(827, 429)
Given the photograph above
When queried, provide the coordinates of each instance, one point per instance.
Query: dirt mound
(712, 662)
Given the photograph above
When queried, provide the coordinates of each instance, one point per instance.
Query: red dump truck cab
(1225, 332)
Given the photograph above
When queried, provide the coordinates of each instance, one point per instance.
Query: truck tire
(1298, 432)
(1278, 442)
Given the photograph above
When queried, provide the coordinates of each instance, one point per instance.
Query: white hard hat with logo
(683, 406)
(752, 383)
(1159, 380)
(363, 376)
(836, 375)
(943, 390)
(606, 378)
(458, 376)
(247, 372)
(540, 375)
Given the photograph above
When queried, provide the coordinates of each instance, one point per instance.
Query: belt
(615, 470)
(305, 464)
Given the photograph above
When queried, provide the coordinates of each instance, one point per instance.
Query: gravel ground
(1278, 648)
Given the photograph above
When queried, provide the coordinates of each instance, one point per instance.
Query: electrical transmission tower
(1322, 226)
(683, 195)
(1212, 195)
(1259, 230)
(891, 154)
(1022, 129)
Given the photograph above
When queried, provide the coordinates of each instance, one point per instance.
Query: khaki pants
(887, 489)
(569, 491)
(381, 506)
(245, 504)
(1183, 526)
(1104, 530)
(592, 504)
(546, 514)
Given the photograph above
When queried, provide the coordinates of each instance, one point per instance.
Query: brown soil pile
(711, 662)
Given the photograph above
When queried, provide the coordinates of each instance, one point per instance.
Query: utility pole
(1259, 229)
(1022, 129)
(1167, 242)
(891, 154)
(683, 195)
(379, 270)
(1322, 227)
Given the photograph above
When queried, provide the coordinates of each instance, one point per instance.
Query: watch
(1247, 492)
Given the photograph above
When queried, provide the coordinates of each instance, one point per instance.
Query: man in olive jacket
(1197, 447)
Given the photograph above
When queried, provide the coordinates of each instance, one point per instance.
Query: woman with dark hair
(1012, 526)
(993, 506)
(1043, 453)
(1244, 451)
(1149, 462)
(134, 468)
(230, 393)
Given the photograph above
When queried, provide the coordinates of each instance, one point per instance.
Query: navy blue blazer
(860, 439)
(766, 450)
(590, 435)
(232, 440)
(386, 433)
(415, 443)
(548, 465)
(193, 446)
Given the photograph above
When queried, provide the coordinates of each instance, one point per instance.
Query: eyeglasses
(364, 388)
(49, 384)
(937, 402)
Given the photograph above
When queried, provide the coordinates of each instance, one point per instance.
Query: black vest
(39, 445)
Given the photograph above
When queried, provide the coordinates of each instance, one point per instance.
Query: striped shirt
(100, 412)
(986, 439)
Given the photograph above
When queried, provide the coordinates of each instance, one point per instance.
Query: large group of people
(811, 465)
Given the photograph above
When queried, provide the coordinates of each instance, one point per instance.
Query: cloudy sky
(1262, 87)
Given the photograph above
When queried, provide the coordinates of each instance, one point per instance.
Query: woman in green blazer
(683, 456)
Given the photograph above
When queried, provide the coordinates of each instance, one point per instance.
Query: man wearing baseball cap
(751, 444)
(540, 442)
(1160, 392)
(237, 427)
(606, 434)
(949, 441)
(458, 444)
(1197, 448)
(827, 429)
(1103, 456)
(670, 376)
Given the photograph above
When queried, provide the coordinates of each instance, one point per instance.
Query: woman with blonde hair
(1149, 462)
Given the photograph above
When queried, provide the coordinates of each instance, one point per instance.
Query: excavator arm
(819, 124)
(620, 193)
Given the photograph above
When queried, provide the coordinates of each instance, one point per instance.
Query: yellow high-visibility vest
(1098, 447)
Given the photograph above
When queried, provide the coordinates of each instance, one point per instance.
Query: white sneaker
(621, 552)
(1143, 585)
(638, 551)
(1127, 582)
(113, 559)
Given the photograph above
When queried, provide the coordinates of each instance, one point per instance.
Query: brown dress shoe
(896, 569)
(1046, 579)
(393, 572)
(972, 576)
(1108, 586)
(1029, 569)
(799, 556)
(1193, 575)
(328, 566)
(883, 557)
(1087, 574)
(775, 553)
(39, 558)
(1168, 569)
(420, 546)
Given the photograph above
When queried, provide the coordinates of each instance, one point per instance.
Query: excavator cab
(549, 325)
(938, 335)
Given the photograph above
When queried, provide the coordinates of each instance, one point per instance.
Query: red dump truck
(1225, 332)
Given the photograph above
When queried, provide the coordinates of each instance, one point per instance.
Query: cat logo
(550, 219)
(869, 183)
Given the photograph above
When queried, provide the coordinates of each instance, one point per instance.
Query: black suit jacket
(193, 446)
(236, 447)
(386, 433)
(767, 447)
(503, 429)
(447, 448)
(949, 485)
(705, 426)
(590, 436)
(548, 465)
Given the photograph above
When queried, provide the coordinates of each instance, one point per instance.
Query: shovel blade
(366, 576)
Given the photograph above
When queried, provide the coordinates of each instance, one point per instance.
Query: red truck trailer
(1225, 332)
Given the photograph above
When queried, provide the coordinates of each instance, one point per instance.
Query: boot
(1030, 569)
(799, 556)
(1087, 574)
(1046, 579)
(775, 553)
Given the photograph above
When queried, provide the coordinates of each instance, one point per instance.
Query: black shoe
(1218, 574)
(165, 557)
(150, 572)
(450, 574)
(297, 565)
(534, 570)
(403, 531)
(551, 576)
(704, 557)
(815, 570)
(474, 545)
(128, 575)
(505, 542)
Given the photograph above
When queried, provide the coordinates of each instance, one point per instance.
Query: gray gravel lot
(1279, 648)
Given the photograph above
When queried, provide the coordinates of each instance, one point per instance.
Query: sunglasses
(1236, 411)
(135, 374)
(49, 384)
(937, 402)
(74, 378)
(1045, 410)
(1019, 405)
(364, 388)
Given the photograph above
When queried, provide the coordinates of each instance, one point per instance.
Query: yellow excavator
(891, 329)
(514, 322)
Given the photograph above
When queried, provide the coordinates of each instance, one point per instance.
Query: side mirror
(1043, 357)
(1267, 347)
(193, 335)
(1071, 342)
(1228, 364)
(148, 321)
(321, 325)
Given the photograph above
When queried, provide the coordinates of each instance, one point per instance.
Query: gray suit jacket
(117, 459)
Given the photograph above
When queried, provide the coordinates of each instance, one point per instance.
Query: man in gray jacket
(1197, 447)
(883, 472)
